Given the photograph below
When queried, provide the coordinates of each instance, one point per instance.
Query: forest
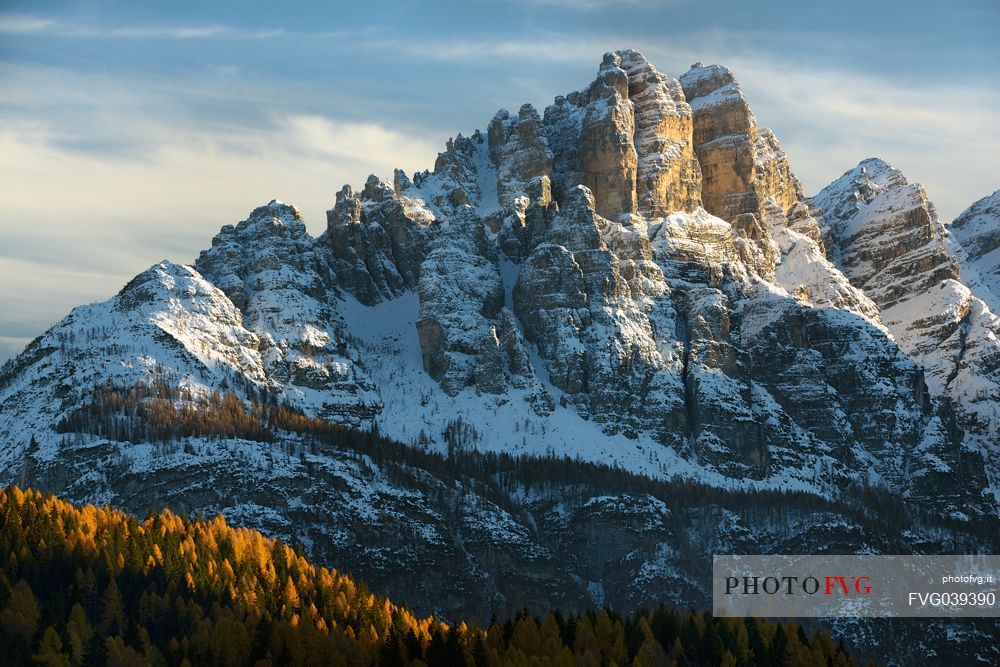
(161, 411)
(96, 586)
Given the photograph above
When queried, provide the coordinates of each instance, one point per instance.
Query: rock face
(608, 159)
(747, 180)
(376, 241)
(886, 237)
(272, 270)
(519, 150)
(742, 164)
(975, 236)
(669, 174)
(460, 296)
(627, 138)
(884, 233)
(573, 297)
(553, 289)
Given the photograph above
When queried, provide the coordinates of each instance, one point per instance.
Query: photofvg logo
(828, 586)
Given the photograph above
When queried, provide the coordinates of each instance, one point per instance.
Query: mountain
(976, 236)
(885, 236)
(618, 325)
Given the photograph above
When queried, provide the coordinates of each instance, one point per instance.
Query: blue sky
(131, 131)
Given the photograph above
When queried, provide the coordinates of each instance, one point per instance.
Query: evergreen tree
(778, 646)
(50, 651)
(96, 654)
(480, 656)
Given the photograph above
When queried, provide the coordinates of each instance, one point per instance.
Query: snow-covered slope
(283, 285)
(974, 238)
(885, 235)
(167, 321)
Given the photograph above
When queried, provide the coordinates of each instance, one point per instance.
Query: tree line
(163, 412)
(96, 586)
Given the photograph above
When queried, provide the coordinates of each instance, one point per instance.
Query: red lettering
(838, 585)
(831, 585)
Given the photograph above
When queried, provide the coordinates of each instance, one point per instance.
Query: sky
(130, 132)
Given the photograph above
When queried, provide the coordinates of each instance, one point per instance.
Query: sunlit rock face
(742, 164)
(668, 176)
(626, 137)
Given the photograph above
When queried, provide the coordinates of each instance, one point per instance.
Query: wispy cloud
(184, 179)
(13, 24)
(540, 48)
(597, 5)
(78, 223)
(22, 24)
(338, 142)
(153, 32)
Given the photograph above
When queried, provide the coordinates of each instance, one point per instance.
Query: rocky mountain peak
(884, 234)
(278, 210)
(376, 190)
(520, 151)
(842, 198)
(669, 175)
(700, 81)
(874, 167)
(626, 137)
(858, 211)
(976, 236)
(742, 164)
(611, 79)
(162, 279)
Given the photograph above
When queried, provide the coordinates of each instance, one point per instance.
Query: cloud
(125, 205)
(21, 24)
(337, 142)
(541, 47)
(154, 32)
(598, 5)
(14, 24)
(79, 222)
